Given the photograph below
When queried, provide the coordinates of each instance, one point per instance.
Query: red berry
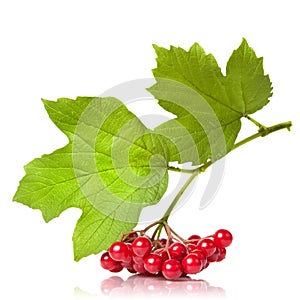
(191, 264)
(191, 246)
(119, 251)
(118, 268)
(161, 252)
(131, 270)
(222, 254)
(142, 246)
(214, 256)
(139, 268)
(171, 269)
(107, 262)
(153, 263)
(201, 256)
(130, 253)
(177, 251)
(158, 251)
(222, 238)
(194, 239)
(207, 246)
(164, 255)
(130, 237)
(127, 265)
(206, 265)
(137, 259)
(163, 242)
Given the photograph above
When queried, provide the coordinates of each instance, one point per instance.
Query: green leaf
(112, 167)
(208, 105)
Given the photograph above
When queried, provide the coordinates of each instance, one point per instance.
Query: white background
(53, 49)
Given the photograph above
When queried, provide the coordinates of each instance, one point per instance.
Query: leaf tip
(156, 48)
(46, 102)
(77, 258)
(244, 46)
(244, 41)
(195, 46)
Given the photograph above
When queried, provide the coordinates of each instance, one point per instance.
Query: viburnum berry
(222, 254)
(194, 239)
(119, 251)
(222, 238)
(137, 259)
(171, 269)
(207, 246)
(153, 263)
(200, 254)
(191, 264)
(161, 252)
(139, 268)
(130, 237)
(116, 269)
(131, 270)
(191, 246)
(107, 262)
(129, 264)
(177, 251)
(142, 246)
(206, 264)
(163, 242)
(214, 257)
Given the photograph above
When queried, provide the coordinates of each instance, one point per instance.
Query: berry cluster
(170, 257)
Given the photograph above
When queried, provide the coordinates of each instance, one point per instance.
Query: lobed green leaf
(208, 105)
(112, 167)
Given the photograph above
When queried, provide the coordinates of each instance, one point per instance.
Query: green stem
(175, 169)
(259, 125)
(150, 226)
(160, 227)
(262, 132)
(155, 233)
(178, 196)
